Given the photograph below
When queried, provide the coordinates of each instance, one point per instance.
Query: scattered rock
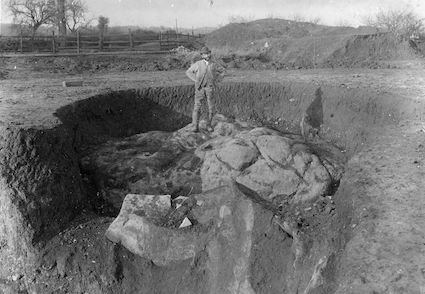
(185, 223)
(178, 202)
(269, 180)
(275, 148)
(316, 181)
(225, 219)
(138, 228)
(225, 129)
(214, 173)
(237, 154)
(16, 277)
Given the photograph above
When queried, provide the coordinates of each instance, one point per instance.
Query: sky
(199, 13)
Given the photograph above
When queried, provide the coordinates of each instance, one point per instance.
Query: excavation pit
(300, 248)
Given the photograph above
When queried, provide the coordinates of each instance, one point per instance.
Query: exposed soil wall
(41, 190)
(118, 114)
(347, 117)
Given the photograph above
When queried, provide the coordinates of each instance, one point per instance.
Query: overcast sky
(199, 13)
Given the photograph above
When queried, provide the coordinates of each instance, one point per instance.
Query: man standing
(205, 73)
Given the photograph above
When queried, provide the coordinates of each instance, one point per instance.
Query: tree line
(71, 15)
(403, 23)
(66, 15)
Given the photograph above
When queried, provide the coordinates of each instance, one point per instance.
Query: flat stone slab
(225, 221)
(138, 228)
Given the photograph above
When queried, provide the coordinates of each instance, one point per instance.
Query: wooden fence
(86, 43)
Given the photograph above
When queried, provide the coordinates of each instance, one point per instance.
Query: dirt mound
(283, 44)
(240, 35)
(370, 50)
(74, 64)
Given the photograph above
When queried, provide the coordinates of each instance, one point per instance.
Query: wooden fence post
(78, 42)
(130, 35)
(165, 42)
(101, 41)
(21, 43)
(160, 41)
(53, 42)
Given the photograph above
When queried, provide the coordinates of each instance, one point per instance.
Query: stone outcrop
(155, 162)
(224, 220)
(279, 168)
(215, 221)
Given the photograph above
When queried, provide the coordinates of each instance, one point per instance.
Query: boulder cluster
(281, 168)
(178, 194)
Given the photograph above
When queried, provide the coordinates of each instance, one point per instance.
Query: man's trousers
(204, 92)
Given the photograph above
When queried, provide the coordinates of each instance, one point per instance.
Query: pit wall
(346, 117)
(41, 191)
(121, 114)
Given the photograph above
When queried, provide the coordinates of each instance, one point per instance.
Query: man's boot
(195, 121)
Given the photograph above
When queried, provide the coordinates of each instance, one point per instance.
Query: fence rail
(79, 43)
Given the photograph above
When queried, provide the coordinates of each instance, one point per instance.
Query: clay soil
(379, 236)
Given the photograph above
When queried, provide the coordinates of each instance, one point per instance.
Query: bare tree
(32, 13)
(76, 15)
(402, 23)
(102, 24)
(60, 16)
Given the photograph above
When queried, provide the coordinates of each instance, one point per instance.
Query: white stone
(269, 180)
(237, 154)
(185, 223)
(179, 201)
(275, 148)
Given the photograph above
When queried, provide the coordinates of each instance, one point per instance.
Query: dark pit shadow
(116, 115)
(315, 110)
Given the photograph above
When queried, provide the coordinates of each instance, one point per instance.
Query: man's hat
(205, 50)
